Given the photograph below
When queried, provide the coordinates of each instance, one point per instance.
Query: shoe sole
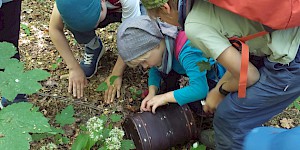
(100, 55)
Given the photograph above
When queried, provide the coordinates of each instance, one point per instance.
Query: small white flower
(116, 132)
(95, 127)
(113, 143)
(51, 146)
(17, 80)
(195, 145)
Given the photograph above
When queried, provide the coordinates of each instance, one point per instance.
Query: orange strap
(239, 43)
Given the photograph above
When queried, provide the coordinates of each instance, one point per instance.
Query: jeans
(85, 37)
(276, 89)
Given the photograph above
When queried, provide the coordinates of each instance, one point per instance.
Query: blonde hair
(155, 12)
(135, 62)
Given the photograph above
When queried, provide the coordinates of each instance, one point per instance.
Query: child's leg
(10, 23)
(277, 88)
(170, 82)
(111, 18)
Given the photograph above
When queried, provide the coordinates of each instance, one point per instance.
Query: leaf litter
(37, 51)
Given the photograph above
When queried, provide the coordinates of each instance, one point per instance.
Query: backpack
(281, 14)
(179, 42)
(184, 7)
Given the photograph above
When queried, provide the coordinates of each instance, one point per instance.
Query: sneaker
(91, 59)
(207, 138)
(19, 98)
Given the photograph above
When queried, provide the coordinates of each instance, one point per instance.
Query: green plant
(63, 118)
(17, 122)
(54, 66)
(14, 79)
(296, 104)
(135, 93)
(103, 86)
(26, 29)
(99, 131)
(196, 146)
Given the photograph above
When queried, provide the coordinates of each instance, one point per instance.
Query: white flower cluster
(49, 146)
(95, 128)
(114, 141)
(116, 132)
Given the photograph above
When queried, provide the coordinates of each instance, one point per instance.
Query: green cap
(149, 4)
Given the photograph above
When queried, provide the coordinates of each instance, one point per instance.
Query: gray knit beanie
(136, 36)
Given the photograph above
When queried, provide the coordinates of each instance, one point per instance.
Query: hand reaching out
(77, 82)
(213, 99)
(110, 93)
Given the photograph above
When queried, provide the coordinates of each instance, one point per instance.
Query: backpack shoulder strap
(179, 42)
(184, 7)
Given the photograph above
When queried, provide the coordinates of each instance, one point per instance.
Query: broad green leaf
(25, 28)
(138, 92)
(14, 81)
(106, 133)
(203, 66)
(7, 50)
(115, 117)
(104, 118)
(132, 90)
(127, 145)
(66, 116)
(102, 87)
(40, 136)
(17, 121)
(35, 109)
(134, 97)
(80, 142)
(58, 139)
(65, 140)
(297, 105)
(54, 66)
(112, 79)
(199, 147)
(59, 60)
(9, 63)
(56, 130)
(90, 143)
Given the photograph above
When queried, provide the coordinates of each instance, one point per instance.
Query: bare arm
(118, 70)
(231, 60)
(59, 40)
(77, 79)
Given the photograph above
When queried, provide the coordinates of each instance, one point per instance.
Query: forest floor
(37, 51)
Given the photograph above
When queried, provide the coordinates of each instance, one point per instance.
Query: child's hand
(151, 93)
(156, 101)
(214, 97)
(146, 99)
(110, 93)
(77, 82)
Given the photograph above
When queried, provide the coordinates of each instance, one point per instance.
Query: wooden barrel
(171, 125)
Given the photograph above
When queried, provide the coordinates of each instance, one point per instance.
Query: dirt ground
(37, 51)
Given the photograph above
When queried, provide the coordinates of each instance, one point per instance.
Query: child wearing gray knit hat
(152, 44)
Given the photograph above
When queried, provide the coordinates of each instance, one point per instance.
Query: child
(271, 86)
(82, 17)
(168, 11)
(171, 11)
(9, 32)
(151, 44)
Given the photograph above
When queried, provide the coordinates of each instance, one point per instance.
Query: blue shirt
(187, 64)
(4, 1)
